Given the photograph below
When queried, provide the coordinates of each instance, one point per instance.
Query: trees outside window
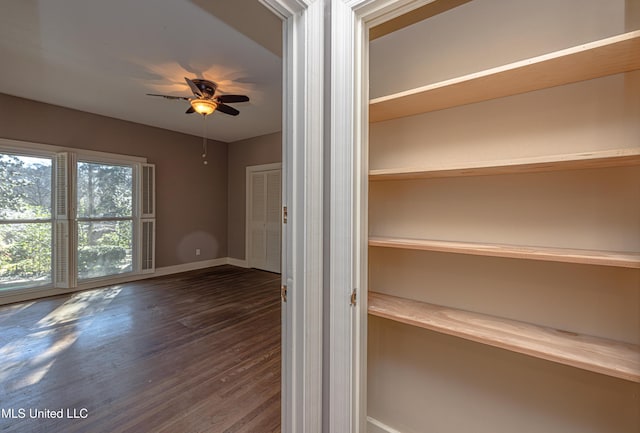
(69, 216)
(26, 222)
(105, 219)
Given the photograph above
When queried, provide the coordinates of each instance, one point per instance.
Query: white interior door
(264, 218)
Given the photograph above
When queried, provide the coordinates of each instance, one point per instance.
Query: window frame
(24, 148)
(28, 152)
(134, 218)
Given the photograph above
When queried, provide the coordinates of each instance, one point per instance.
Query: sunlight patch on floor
(10, 310)
(26, 360)
(81, 304)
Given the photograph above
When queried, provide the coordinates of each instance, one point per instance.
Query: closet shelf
(608, 56)
(565, 255)
(612, 358)
(571, 161)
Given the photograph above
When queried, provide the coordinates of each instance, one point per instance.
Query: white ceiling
(104, 56)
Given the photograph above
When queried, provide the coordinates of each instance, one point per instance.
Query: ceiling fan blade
(190, 110)
(232, 98)
(227, 110)
(196, 91)
(169, 97)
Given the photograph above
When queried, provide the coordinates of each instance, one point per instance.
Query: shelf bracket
(283, 293)
(354, 297)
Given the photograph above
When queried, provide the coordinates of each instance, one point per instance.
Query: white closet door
(264, 220)
(273, 227)
(257, 215)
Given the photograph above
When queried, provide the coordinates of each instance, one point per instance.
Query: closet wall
(423, 380)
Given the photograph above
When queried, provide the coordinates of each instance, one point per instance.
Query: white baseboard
(184, 267)
(27, 295)
(237, 262)
(375, 426)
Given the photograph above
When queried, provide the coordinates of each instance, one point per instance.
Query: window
(105, 219)
(68, 215)
(26, 222)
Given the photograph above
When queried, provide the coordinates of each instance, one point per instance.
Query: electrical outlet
(197, 251)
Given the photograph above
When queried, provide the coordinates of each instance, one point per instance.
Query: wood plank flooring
(193, 352)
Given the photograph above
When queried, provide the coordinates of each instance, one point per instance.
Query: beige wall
(424, 381)
(487, 33)
(191, 197)
(265, 149)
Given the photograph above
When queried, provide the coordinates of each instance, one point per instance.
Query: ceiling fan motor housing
(208, 88)
(204, 102)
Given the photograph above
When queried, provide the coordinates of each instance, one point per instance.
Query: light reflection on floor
(27, 359)
(10, 310)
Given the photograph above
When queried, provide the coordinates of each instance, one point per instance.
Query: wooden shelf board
(617, 359)
(608, 56)
(419, 14)
(565, 255)
(573, 161)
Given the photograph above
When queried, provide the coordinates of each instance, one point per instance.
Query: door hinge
(284, 215)
(354, 297)
(283, 293)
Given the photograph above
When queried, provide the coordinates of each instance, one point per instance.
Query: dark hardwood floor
(188, 353)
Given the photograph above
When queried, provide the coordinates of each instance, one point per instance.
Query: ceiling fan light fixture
(203, 106)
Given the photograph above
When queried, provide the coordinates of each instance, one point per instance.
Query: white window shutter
(63, 277)
(148, 221)
(148, 244)
(148, 191)
(63, 257)
(62, 186)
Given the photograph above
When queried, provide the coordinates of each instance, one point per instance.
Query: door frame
(325, 186)
(251, 169)
(303, 195)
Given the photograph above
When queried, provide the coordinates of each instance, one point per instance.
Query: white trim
(375, 12)
(24, 148)
(306, 89)
(375, 426)
(286, 9)
(237, 262)
(302, 181)
(344, 371)
(9, 297)
(184, 267)
(351, 20)
(29, 148)
(265, 167)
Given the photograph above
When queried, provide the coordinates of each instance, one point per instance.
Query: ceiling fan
(204, 100)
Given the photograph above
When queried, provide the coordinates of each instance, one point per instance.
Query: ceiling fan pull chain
(204, 139)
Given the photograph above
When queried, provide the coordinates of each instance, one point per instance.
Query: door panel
(273, 225)
(264, 249)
